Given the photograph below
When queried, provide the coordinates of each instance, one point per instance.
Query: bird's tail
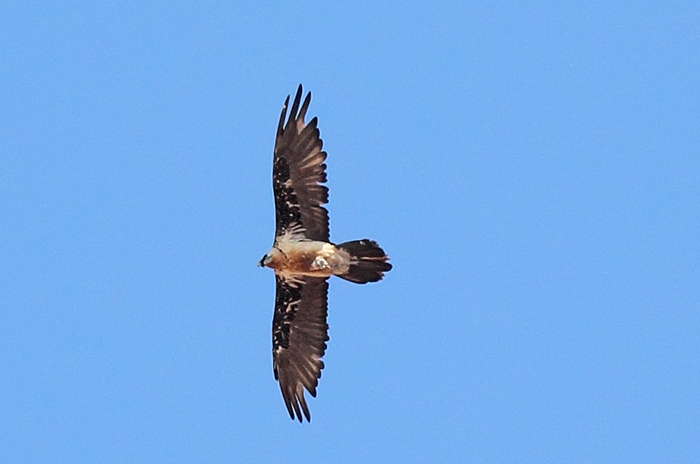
(368, 262)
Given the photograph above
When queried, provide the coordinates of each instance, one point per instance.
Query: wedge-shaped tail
(368, 262)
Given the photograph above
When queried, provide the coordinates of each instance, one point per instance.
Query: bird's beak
(261, 263)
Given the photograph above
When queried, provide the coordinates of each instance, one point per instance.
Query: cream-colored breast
(318, 259)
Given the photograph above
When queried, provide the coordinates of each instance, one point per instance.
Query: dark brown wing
(299, 336)
(298, 172)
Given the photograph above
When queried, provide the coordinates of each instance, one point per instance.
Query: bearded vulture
(303, 258)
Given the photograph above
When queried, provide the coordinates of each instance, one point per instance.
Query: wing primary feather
(295, 107)
(305, 106)
(302, 400)
(288, 403)
(295, 404)
(283, 115)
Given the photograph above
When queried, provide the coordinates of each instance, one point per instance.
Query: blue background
(532, 168)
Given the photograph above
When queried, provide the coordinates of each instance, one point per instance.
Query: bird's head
(274, 259)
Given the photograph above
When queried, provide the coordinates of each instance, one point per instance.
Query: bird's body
(303, 258)
(309, 258)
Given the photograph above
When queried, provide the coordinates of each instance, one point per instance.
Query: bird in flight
(303, 258)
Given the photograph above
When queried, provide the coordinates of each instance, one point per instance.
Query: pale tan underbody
(290, 256)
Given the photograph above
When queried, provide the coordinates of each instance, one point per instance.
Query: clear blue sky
(532, 168)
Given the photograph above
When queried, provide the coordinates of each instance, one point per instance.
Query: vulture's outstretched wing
(298, 172)
(299, 336)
